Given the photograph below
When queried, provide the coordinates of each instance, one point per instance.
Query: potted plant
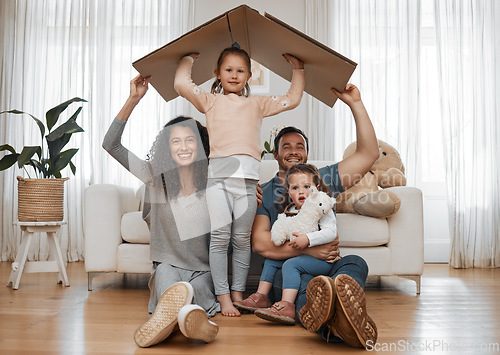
(268, 152)
(41, 198)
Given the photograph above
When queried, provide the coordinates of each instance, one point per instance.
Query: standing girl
(234, 120)
(299, 180)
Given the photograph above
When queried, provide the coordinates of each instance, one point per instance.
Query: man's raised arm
(354, 167)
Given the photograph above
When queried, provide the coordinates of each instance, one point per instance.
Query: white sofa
(117, 239)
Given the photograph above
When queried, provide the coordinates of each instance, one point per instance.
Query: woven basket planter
(40, 200)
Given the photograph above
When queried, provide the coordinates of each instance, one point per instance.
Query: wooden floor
(458, 311)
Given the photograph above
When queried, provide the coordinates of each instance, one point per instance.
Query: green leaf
(56, 146)
(267, 146)
(7, 147)
(38, 122)
(68, 127)
(8, 160)
(26, 155)
(57, 139)
(62, 160)
(53, 114)
(72, 167)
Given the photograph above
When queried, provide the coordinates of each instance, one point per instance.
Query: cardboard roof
(265, 38)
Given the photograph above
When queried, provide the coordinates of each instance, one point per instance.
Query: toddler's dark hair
(301, 168)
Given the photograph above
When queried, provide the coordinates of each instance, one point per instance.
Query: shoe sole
(352, 302)
(164, 319)
(195, 325)
(275, 318)
(319, 307)
(245, 308)
(249, 309)
(371, 331)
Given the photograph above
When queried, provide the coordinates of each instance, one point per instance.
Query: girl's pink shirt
(233, 121)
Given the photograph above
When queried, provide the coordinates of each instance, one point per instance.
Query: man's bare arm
(354, 167)
(262, 244)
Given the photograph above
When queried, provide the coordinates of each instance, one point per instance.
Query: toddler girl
(234, 120)
(299, 179)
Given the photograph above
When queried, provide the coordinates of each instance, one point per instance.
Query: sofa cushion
(361, 231)
(134, 229)
(133, 258)
(379, 259)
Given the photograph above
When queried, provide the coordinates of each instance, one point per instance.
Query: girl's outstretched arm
(296, 62)
(185, 87)
(273, 105)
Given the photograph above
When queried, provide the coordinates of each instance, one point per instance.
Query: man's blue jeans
(352, 265)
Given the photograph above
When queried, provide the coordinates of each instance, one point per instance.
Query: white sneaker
(194, 324)
(164, 319)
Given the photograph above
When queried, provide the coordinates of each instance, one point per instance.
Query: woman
(175, 210)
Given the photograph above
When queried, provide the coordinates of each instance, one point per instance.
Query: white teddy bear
(316, 205)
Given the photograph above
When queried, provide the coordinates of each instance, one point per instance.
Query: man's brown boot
(351, 322)
(319, 308)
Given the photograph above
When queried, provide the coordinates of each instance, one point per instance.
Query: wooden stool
(21, 265)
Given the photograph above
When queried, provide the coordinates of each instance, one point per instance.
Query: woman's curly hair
(165, 169)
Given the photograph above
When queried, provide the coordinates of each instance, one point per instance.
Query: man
(333, 306)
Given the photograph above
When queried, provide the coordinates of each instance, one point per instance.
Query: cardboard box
(265, 38)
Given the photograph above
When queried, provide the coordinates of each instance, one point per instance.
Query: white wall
(291, 12)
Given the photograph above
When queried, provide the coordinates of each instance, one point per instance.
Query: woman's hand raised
(139, 87)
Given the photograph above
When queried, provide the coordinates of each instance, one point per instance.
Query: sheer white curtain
(383, 38)
(468, 35)
(319, 116)
(53, 50)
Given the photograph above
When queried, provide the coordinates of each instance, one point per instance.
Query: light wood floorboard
(458, 311)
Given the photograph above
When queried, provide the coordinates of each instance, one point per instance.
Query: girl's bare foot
(226, 305)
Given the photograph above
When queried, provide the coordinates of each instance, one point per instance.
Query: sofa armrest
(406, 232)
(104, 206)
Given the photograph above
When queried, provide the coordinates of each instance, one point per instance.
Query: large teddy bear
(365, 198)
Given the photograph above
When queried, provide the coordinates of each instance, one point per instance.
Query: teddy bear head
(389, 157)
